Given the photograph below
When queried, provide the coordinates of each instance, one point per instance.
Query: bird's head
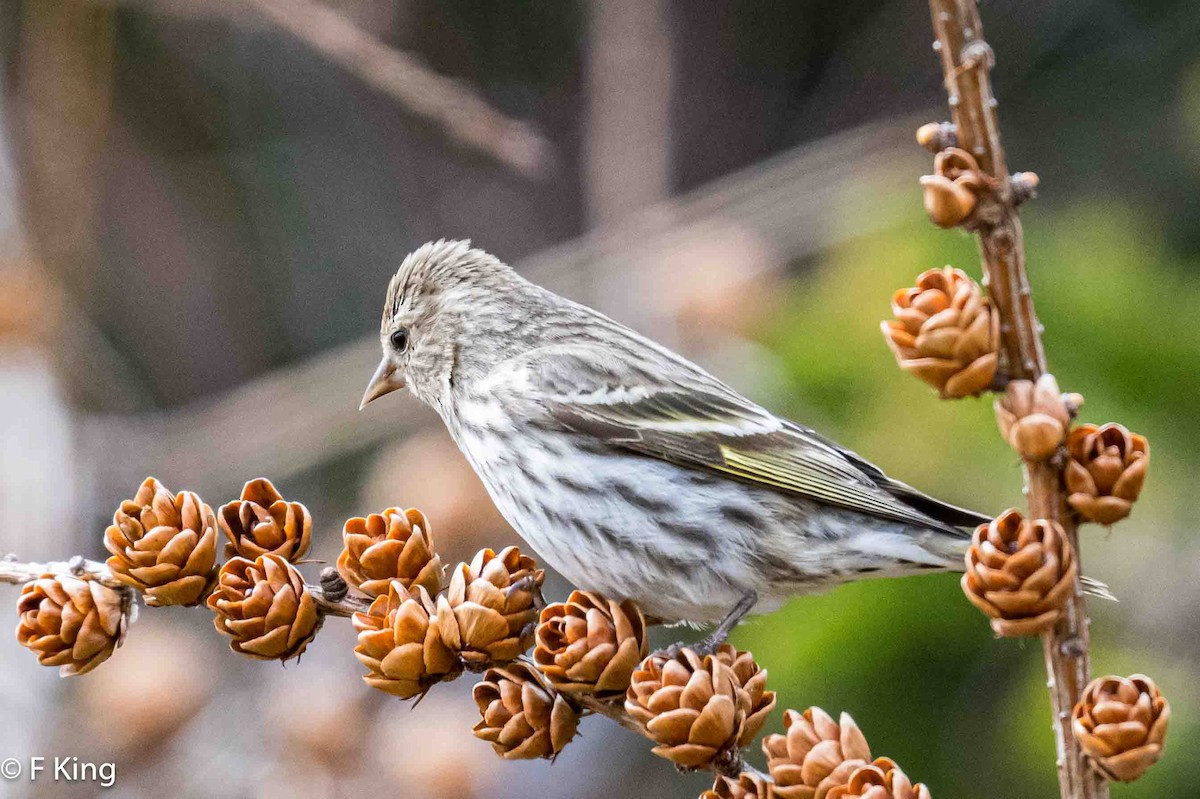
(442, 308)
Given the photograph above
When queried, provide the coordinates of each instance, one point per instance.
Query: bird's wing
(698, 422)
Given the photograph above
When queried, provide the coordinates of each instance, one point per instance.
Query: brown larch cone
(747, 785)
(1019, 573)
(953, 191)
(262, 522)
(1106, 471)
(264, 607)
(1033, 417)
(1121, 723)
(947, 202)
(590, 644)
(524, 718)
(956, 163)
(814, 754)
(398, 642)
(488, 611)
(699, 709)
(882, 779)
(937, 136)
(393, 545)
(945, 333)
(164, 546)
(74, 623)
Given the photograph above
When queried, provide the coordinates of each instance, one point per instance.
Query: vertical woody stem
(967, 61)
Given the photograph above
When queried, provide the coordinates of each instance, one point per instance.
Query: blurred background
(201, 202)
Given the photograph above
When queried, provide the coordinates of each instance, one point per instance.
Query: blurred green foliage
(912, 661)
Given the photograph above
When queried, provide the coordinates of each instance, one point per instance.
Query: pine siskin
(633, 471)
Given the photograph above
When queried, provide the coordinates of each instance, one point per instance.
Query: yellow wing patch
(792, 474)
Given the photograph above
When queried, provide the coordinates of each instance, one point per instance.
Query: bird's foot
(715, 639)
(674, 650)
(709, 644)
(704, 647)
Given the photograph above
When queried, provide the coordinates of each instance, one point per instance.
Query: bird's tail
(1093, 587)
(951, 515)
(953, 549)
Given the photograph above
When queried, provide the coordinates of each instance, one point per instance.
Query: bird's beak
(384, 381)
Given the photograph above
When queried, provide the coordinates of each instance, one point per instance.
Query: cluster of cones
(164, 547)
(700, 710)
(417, 633)
(945, 332)
(1020, 573)
(589, 653)
(819, 758)
(586, 650)
(1023, 572)
(592, 653)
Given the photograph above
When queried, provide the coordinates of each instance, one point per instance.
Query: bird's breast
(610, 521)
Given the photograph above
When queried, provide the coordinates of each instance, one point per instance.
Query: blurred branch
(449, 103)
(282, 424)
(297, 417)
(967, 60)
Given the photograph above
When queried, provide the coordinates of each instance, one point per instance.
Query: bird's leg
(709, 644)
(731, 620)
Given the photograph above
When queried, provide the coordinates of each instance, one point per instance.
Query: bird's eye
(400, 339)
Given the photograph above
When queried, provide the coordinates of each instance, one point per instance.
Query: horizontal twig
(335, 602)
(18, 572)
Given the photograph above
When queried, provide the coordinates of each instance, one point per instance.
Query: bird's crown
(438, 266)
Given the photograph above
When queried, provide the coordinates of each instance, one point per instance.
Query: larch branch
(967, 60)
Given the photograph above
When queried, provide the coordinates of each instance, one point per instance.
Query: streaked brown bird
(633, 471)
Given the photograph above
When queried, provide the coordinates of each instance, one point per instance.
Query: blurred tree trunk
(629, 86)
(628, 136)
(60, 115)
(52, 127)
(58, 118)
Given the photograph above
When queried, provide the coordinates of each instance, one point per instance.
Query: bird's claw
(674, 650)
(703, 648)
